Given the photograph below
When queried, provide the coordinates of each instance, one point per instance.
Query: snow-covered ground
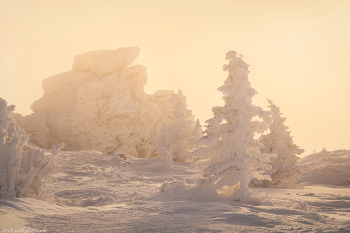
(94, 192)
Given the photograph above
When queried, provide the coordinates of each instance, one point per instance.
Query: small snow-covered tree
(198, 131)
(21, 168)
(229, 144)
(279, 142)
(164, 146)
(181, 128)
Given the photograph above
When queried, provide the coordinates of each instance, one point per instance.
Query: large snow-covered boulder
(327, 167)
(100, 104)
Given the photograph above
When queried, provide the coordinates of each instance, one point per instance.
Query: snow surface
(94, 192)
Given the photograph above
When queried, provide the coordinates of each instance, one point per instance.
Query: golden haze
(299, 53)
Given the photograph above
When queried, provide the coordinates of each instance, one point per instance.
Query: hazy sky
(299, 52)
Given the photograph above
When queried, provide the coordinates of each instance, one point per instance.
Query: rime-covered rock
(100, 104)
(105, 61)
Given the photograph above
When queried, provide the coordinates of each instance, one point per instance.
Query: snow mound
(327, 167)
(99, 105)
(301, 205)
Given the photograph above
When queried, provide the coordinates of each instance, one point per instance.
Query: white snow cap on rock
(105, 61)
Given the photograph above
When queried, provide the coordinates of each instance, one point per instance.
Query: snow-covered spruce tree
(198, 131)
(228, 143)
(197, 134)
(181, 128)
(279, 142)
(21, 168)
(164, 146)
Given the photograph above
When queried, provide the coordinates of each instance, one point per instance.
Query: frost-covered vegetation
(229, 151)
(285, 169)
(22, 167)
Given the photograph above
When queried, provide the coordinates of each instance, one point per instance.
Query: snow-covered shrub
(181, 128)
(164, 146)
(228, 146)
(279, 142)
(22, 168)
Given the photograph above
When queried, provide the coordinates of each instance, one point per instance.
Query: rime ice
(101, 105)
(22, 167)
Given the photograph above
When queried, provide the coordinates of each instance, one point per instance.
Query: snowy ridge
(327, 167)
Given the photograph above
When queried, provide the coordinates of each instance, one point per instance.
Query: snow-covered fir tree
(228, 143)
(198, 131)
(164, 146)
(181, 128)
(279, 142)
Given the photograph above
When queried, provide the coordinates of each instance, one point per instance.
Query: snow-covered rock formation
(101, 105)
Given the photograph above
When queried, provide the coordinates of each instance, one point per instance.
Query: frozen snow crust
(100, 104)
(327, 167)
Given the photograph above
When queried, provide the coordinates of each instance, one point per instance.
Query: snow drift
(327, 167)
(100, 105)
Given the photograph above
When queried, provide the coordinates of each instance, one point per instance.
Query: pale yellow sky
(299, 52)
